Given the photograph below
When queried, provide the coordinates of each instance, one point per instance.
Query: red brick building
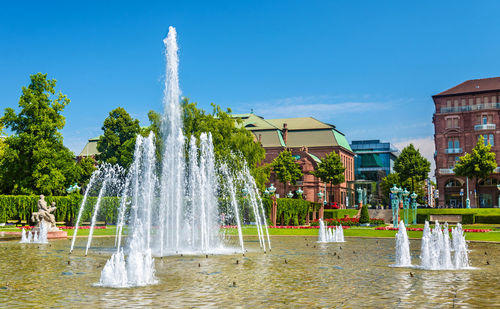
(309, 140)
(463, 113)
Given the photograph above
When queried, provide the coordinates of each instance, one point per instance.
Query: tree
(85, 168)
(116, 145)
(330, 170)
(35, 159)
(412, 165)
(286, 169)
(364, 217)
(477, 165)
(393, 179)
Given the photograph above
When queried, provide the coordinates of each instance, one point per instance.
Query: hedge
(290, 211)
(339, 213)
(467, 218)
(20, 208)
(487, 219)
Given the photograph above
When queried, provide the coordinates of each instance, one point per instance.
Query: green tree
(393, 179)
(85, 168)
(116, 145)
(477, 165)
(364, 217)
(330, 170)
(411, 165)
(229, 137)
(286, 169)
(35, 159)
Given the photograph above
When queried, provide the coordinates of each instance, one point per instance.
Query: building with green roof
(309, 140)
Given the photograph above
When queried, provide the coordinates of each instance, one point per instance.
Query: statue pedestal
(52, 232)
(57, 235)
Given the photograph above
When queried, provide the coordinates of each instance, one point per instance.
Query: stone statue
(44, 214)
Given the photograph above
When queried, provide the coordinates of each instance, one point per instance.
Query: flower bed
(101, 227)
(299, 227)
(419, 229)
(346, 221)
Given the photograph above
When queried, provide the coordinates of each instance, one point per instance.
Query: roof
(473, 85)
(302, 131)
(90, 148)
(301, 123)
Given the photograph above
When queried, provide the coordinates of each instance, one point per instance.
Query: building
(309, 140)
(374, 160)
(463, 114)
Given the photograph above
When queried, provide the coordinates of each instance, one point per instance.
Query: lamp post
(414, 206)
(360, 197)
(274, 209)
(394, 205)
(320, 199)
(406, 205)
(467, 201)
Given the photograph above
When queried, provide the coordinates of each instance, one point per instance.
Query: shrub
(364, 217)
(487, 219)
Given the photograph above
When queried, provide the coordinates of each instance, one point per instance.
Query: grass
(353, 231)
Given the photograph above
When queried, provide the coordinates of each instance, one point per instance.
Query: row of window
(454, 142)
(453, 122)
(463, 101)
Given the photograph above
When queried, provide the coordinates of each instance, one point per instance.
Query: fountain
(403, 258)
(335, 234)
(436, 249)
(37, 236)
(173, 206)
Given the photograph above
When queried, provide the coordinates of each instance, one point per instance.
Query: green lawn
(353, 231)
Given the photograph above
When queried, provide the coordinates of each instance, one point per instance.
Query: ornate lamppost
(414, 206)
(274, 210)
(299, 192)
(289, 194)
(360, 197)
(394, 205)
(320, 198)
(406, 205)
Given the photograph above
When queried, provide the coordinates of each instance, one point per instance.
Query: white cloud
(426, 147)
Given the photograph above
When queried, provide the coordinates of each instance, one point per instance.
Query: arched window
(452, 183)
(488, 182)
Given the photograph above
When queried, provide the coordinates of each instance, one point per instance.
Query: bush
(364, 217)
(339, 213)
(487, 219)
(290, 211)
(20, 208)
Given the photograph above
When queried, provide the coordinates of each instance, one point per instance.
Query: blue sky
(370, 68)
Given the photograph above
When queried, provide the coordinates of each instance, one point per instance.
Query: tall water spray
(403, 258)
(178, 210)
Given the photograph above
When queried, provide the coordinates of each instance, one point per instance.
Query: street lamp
(289, 194)
(274, 210)
(406, 205)
(414, 206)
(394, 205)
(320, 195)
(299, 192)
(244, 191)
(360, 196)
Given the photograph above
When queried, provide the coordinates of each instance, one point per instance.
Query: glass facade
(374, 160)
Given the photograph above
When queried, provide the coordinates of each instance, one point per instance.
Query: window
(463, 102)
(471, 101)
(455, 122)
(451, 163)
(457, 143)
(448, 103)
(450, 143)
(452, 183)
(453, 142)
(486, 100)
(478, 100)
(493, 99)
(485, 120)
(452, 122)
(456, 103)
(491, 140)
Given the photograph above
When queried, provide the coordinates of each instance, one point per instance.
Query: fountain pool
(313, 276)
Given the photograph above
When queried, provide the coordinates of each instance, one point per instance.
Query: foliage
(477, 165)
(411, 165)
(35, 159)
(286, 169)
(116, 145)
(487, 219)
(330, 169)
(228, 136)
(20, 208)
(364, 217)
(290, 211)
(339, 213)
(393, 179)
(85, 168)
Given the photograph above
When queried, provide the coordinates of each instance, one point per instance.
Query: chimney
(285, 132)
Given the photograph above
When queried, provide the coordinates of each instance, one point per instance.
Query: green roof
(341, 140)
